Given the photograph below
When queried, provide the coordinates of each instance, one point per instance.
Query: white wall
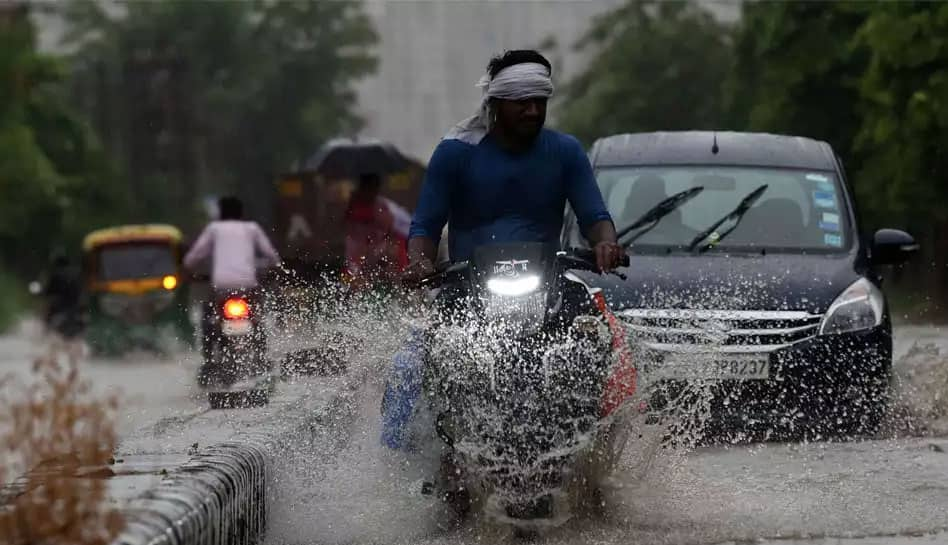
(432, 52)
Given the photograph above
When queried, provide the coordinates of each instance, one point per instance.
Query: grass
(52, 427)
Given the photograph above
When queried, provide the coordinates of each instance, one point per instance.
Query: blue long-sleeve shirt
(490, 195)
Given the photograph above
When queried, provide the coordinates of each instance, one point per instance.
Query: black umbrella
(344, 158)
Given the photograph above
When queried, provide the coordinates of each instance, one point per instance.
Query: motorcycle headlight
(516, 302)
(513, 287)
(859, 307)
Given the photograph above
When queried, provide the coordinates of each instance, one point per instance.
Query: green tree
(796, 71)
(51, 169)
(201, 97)
(654, 66)
(904, 129)
(55, 182)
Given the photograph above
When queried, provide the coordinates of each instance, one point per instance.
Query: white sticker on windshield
(817, 178)
(830, 217)
(833, 240)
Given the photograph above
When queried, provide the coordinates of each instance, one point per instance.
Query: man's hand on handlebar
(608, 256)
(417, 271)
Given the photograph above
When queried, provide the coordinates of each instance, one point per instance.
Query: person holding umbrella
(376, 234)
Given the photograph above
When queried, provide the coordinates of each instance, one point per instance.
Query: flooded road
(343, 487)
(890, 489)
(148, 387)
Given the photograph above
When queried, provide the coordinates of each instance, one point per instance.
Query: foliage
(54, 427)
(904, 113)
(52, 173)
(654, 66)
(199, 98)
(794, 65)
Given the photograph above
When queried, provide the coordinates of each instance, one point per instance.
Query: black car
(749, 273)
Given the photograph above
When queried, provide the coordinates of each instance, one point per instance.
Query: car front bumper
(807, 380)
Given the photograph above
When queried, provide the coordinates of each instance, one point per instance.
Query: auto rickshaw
(132, 277)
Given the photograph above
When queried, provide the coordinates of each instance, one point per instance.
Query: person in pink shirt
(237, 248)
(376, 235)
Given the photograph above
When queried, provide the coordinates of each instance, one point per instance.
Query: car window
(798, 210)
(135, 261)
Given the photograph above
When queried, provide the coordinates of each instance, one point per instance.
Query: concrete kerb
(219, 497)
(219, 494)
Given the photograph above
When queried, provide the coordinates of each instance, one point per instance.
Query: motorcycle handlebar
(582, 254)
(589, 256)
(434, 280)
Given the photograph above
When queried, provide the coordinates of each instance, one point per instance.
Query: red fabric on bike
(621, 384)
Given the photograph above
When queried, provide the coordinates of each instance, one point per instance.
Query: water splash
(345, 487)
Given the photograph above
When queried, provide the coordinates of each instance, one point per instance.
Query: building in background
(432, 53)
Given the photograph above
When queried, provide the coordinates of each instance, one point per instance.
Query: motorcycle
(527, 375)
(64, 314)
(238, 373)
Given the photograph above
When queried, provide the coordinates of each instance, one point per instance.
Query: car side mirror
(892, 247)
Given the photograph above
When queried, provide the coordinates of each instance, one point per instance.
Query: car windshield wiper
(734, 215)
(651, 218)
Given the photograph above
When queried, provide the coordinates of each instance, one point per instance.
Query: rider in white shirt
(233, 244)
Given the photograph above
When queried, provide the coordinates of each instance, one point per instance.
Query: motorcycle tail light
(236, 308)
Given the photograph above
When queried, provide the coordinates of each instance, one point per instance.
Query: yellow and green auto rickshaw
(132, 276)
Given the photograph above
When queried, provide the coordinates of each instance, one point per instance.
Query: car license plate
(713, 367)
(233, 328)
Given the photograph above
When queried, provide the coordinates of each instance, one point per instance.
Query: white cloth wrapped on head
(516, 82)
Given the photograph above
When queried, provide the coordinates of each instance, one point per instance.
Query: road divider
(219, 496)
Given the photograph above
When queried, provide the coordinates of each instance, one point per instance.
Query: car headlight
(859, 307)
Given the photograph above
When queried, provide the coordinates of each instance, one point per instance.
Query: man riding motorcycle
(233, 245)
(501, 176)
(497, 177)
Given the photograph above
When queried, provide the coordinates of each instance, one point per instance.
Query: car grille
(729, 331)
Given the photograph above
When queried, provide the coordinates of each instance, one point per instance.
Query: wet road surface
(890, 489)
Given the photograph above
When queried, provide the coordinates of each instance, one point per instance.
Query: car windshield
(799, 210)
(135, 261)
